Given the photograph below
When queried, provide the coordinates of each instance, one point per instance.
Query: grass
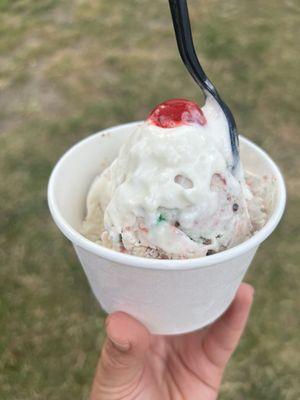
(70, 68)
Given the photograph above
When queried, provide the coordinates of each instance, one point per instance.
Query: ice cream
(171, 192)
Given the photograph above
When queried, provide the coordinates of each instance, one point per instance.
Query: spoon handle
(182, 27)
(185, 44)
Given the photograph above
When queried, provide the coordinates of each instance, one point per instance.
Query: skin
(135, 365)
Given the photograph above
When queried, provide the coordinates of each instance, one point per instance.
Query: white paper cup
(168, 296)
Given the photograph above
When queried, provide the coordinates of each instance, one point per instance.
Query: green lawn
(70, 68)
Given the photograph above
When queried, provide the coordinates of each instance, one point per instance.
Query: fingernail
(121, 346)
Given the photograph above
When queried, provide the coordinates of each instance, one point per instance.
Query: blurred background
(72, 67)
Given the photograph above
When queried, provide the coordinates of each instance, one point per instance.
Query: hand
(137, 366)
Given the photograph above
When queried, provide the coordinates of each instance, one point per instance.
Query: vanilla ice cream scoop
(170, 192)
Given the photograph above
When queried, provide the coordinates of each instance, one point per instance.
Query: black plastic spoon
(187, 52)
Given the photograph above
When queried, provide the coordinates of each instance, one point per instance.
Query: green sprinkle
(160, 219)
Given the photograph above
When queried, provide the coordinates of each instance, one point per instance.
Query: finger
(224, 335)
(122, 357)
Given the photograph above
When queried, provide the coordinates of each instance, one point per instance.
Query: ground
(70, 68)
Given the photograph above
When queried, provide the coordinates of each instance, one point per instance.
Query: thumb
(122, 359)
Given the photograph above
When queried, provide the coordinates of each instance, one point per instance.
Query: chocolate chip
(210, 252)
(206, 241)
(235, 207)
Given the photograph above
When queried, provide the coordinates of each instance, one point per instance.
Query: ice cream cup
(167, 296)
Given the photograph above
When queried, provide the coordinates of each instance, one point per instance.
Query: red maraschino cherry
(176, 112)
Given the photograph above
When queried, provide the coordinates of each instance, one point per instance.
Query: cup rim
(150, 263)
